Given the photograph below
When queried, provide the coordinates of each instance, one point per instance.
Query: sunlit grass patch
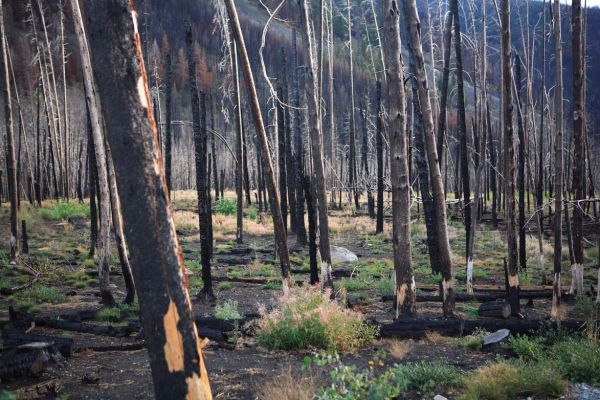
(63, 210)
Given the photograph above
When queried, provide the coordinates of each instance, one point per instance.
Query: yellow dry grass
(398, 349)
(286, 386)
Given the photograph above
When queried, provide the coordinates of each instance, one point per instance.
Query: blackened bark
(380, 133)
(175, 355)
(281, 122)
(168, 120)
(298, 148)
(92, 183)
(441, 134)
(311, 206)
(521, 170)
(291, 181)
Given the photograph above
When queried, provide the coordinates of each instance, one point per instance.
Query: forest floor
(241, 369)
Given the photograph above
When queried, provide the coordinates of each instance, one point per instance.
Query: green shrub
(63, 210)
(469, 342)
(227, 310)
(385, 286)
(309, 318)
(504, 381)
(272, 286)
(578, 359)
(348, 382)
(360, 281)
(109, 314)
(28, 307)
(43, 294)
(223, 286)
(226, 207)
(527, 347)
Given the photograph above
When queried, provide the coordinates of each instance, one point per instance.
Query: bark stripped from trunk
(175, 355)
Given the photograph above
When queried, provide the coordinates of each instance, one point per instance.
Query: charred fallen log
(13, 339)
(416, 328)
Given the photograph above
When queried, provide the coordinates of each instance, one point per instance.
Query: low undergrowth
(308, 318)
(350, 382)
(63, 210)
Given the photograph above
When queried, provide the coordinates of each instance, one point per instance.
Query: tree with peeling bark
(437, 186)
(316, 145)
(267, 165)
(172, 340)
(509, 158)
(11, 164)
(406, 289)
(94, 109)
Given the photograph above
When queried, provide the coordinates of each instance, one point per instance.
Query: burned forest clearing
(312, 200)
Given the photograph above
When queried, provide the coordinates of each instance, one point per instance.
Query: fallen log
(24, 320)
(113, 347)
(224, 325)
(15, 339)
(481, 297)
(235, 251)
(494, 309)
(27, 360)
(12, 290)
(416, 328)
(234, 260)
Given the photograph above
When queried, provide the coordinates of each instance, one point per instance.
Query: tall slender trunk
(379, 145)
(509, 159)
(278, 225)
(353, 179)
(176, 358)
(521, 170)
(540, 183)
(441, 134)
(579, 137)
(239, 148)
(445, 258)
(289, 160)
(11, 167)
(399, 173)
(462, 123)
(93, 105)
(558, 160)
(281, 127)
(298, 147)
(316, 143)
(198, 102)
(168, 120)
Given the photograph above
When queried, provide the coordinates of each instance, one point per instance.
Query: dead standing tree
(91, 96)
(558, 159)
(267, 165)
(172, 340)
(509, 159)
(198, 102)
(11, 165)
(316, 144)
(435, 176)
(401, 237)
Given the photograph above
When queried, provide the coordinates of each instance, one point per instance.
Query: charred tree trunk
(311, 207)
(441, 138)
(558, 159)
(239, 148)
(579, 137)
(168, 128)
(521, 171)
(11, 164)
(509, 159)
(283, 180)
(198, 102)
(278, 225)
(289, 161)
(445, 258)
(380, 183)
(92, 183)
(97, 138)
(316, 143)
(176, 358)
(399, 173)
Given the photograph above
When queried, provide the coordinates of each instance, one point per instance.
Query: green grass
(385, 286)
(223, 286)
(28, 307)
(226, 207)
(360, 281)
(109, 314)
(63, 210)
(272, 286)
(42, 294)
(227, 310)
(308, 318)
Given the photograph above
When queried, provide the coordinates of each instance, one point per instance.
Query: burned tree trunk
(311, 207)
(92, 184)
(176, 358)
(278, 225)
(291, 181)
(239, 148)
(379, 144)
(521, 170)
(405, 282)
(579, 137)
(509, 159)
(558, 159)
(95, 115)
(198, 101)
(445, 258)
(11, 164)
(316, 143)
(283, 180)
(441, 134)
(168, 128)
